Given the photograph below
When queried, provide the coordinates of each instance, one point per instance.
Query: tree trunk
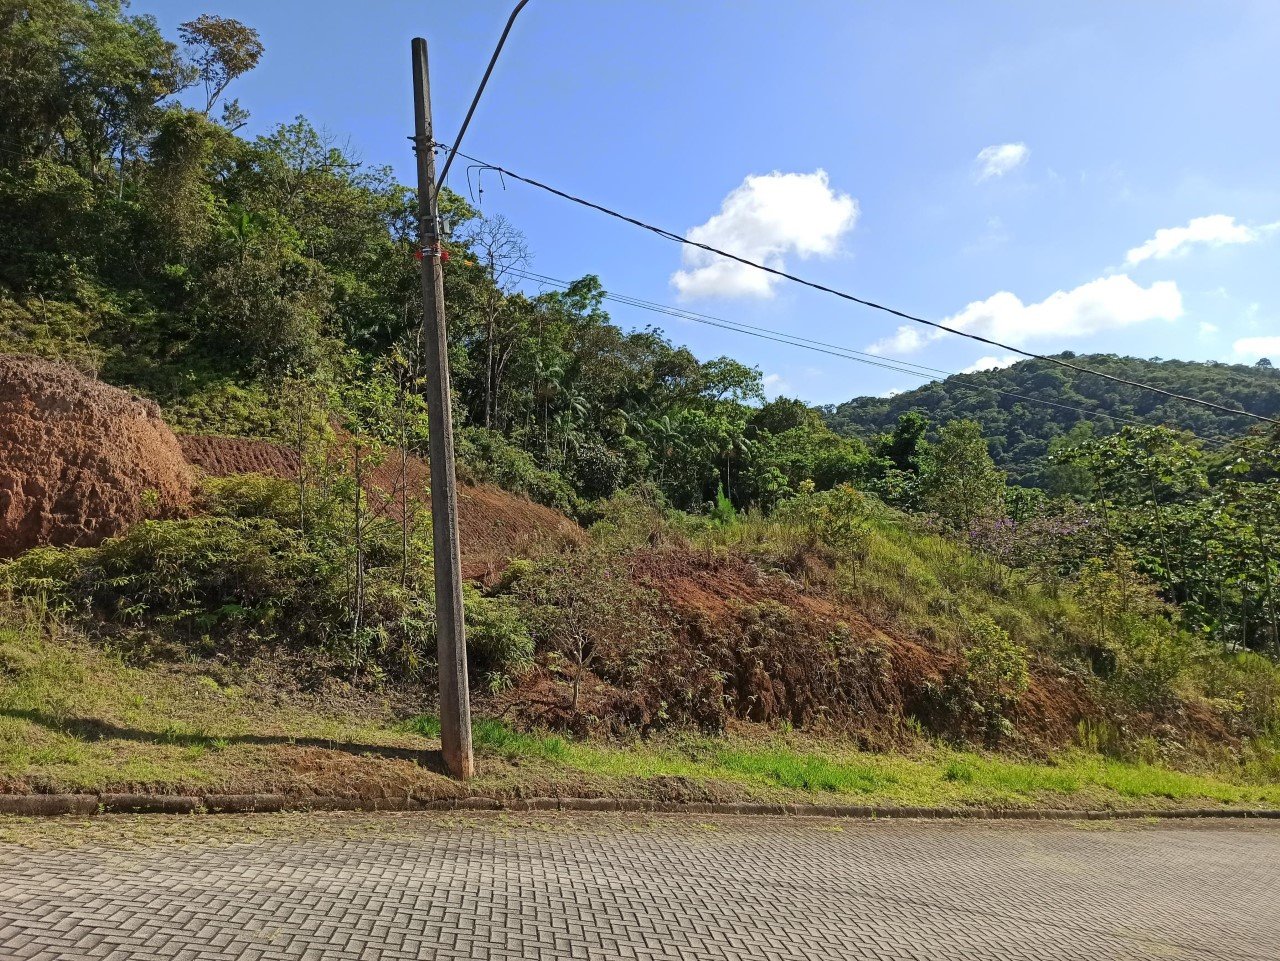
(357, 606)
(1266, 573)
(404, 491)
(489, 369)
(302, 467)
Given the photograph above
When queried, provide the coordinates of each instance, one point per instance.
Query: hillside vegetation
(1015, 406)
(76, 715)
(698, 581)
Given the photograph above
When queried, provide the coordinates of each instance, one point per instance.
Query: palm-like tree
(666, 438)
(738, 446)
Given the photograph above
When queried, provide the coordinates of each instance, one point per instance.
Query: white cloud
(904, 340)
(1207, 329)
(775, 384)
(991, 363)
(998, 159)
(1216, 230)
(764, 219)
(1255, 347)
(1100, 305)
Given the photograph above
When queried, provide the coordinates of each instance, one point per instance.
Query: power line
(677, 238)
(834, 350)
(695, 316)
(475, 101)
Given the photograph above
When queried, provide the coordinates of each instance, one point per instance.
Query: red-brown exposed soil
(80, 461)
(493, 525)
(788, 654)
(224, 456)
(759, 647)
(892, 675)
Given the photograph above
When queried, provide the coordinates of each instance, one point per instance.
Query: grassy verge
(791, 768)
(75, 718)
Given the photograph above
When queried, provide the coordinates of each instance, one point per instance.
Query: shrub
(225, 407)
(995, 668)
(196, 574)
(585, 613)
(1248, 684)
(225, 581)
(488, 456)
(252, 495)
(722, 512)
(1144, 652)
(48, 575)
(630, 518)
(598, 470)
(1152, 657)
(838, 519)
(499, 645)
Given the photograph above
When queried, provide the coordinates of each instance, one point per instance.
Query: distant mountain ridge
(1020, 430)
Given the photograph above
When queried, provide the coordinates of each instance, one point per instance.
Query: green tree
(958, 479)
(222, 49)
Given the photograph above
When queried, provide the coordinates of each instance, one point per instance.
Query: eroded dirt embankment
(80, 461)
(743, 645)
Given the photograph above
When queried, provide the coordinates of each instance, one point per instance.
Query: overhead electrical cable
(475, 101)
(677, 238)
(886, 363)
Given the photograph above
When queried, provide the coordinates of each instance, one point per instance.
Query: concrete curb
(45, 805)
(83, 805)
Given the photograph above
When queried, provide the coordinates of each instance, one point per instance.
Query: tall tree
(501, 249)
(958, 479)
(222, 49)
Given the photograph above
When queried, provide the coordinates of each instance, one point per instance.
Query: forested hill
(1019, 431)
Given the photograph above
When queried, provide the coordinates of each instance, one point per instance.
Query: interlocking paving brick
(548, 887)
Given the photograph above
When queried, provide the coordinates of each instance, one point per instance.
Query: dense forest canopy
(252, 285)
(1016, 405)
(153, 242)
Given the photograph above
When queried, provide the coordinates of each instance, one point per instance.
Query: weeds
(805, 772)
(496, 738)
(73, 719)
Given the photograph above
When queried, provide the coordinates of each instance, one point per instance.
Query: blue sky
(1083, 176)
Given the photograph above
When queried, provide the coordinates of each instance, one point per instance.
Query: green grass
(806, 772)
(76, 718)
(920, 580)
(931, 777)
(495, 738)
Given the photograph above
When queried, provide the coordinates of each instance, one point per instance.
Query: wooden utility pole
(455, 703)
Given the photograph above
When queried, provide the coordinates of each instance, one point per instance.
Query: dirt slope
(224, 456)
(748, 645)
(80, 461)
(779, 665)
(494, 526)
